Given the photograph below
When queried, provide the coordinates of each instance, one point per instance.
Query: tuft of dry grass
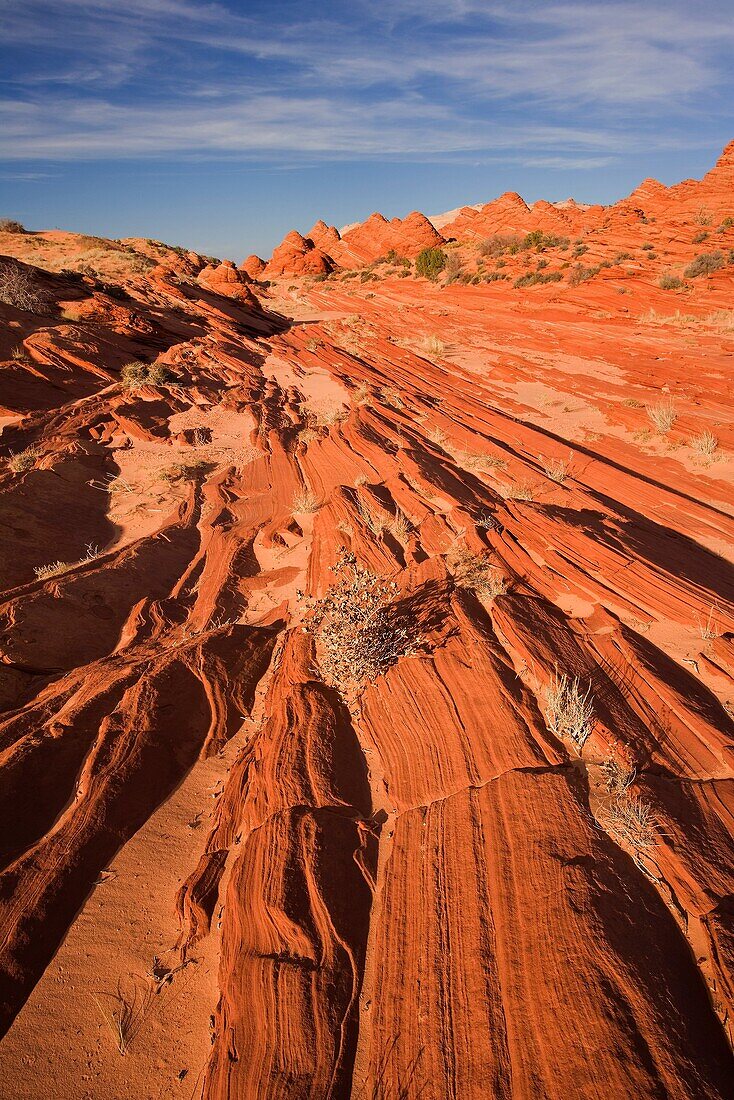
(631, 820)
(662, 416)
(361, 395)
(401, 526)
(20, 461)
(474, 572)
(53, 569)
(305, 502)
(325, 416)
(557, 469)
(705, 442)
(569, 709)
(358, 633)
(522, 490)
(434, 346)
(632, 403)
(373, 521)
(709, 627)
(391, 396)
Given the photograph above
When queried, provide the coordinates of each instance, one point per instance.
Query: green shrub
(705, 264)
(430, 263)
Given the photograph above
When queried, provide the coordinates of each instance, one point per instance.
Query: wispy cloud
(563, 84)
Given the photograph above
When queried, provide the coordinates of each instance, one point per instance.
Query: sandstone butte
(452, 818)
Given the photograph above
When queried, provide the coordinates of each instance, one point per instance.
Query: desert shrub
(705, 264)
(539, 240)
(700, 237)
(569, 710)
(185, 471)
(499, 243)
(474, 572)
(726, 224)
(535, 277)
(557, 469)
(706, 442)
(662, 415)
(20, 461)
(646, 247)
(359, 635)
(52, 569)
(305, 502)
(18, 289)
(670, 282)
(433, 345)
(145, 374)
(453, 267)
(621, 256)
(495, 276)
(581, 274)
(9, 225)
(430, 263)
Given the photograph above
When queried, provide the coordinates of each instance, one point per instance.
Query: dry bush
(9, 225)
(710, 627)
(18, 289)
(437, 436)
(669, 282)
(53, 569)
(358, 633)
(617, 775)
(24, 460)
(522, 490)
(569, 710)
(557, 468)
(474, 572)
(201, 437)
(632, 403)
(361, 395)
(662, 415)
(133, 375)
(705, 442)
(185, 471)
(705, 264)
(304, 501)
(630, 820)
(373, 521)
(327, 415)
(433, 345)
(401, 526)
(392, 397)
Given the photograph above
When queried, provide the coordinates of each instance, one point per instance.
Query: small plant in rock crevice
(569, 708)
(358, 632)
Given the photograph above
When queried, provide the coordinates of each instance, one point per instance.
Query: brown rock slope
(366, 669)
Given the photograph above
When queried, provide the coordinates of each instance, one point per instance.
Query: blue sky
(222, 125)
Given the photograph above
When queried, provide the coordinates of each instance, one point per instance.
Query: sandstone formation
(367, 660)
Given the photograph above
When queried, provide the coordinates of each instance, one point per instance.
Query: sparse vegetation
(569, 709)
(430, 263)
(557, 468)
(185, 471)
(9, 225)
(20, 461)
(476, 573)
(18, 289)
(710, 627)
(392, 397)
(432, 345)
(662, 415)
(359, 635)
(138, 374)
(670, 282)
(304, 501)
(705, 264)
(705, 442)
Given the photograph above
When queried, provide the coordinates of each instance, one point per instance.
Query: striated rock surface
(367, 662)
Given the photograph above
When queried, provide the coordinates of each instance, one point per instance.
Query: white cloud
(587, 81)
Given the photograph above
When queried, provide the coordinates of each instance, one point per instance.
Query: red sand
(224, 877)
